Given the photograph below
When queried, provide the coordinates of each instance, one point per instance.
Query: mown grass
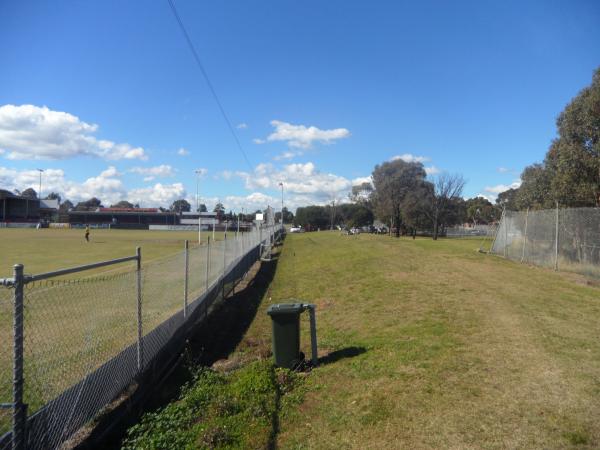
(433, 345)
(52, 249)
(74, 324)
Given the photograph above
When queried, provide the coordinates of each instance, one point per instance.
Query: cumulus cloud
(361, 180)
(150, 173)
(110, 172)
(432, 170)
(497, 189)
(409, 157)
(33, 132)
(106, 186)
(183, 152)
(157, 195)
(303, 183)
(490, 198)
(301, 136)
(242, 126)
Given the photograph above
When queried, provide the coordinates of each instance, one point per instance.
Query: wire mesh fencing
(564, 239)
(6, 357)
(86, 339)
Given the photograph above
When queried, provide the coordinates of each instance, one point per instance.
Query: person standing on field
(87, 233)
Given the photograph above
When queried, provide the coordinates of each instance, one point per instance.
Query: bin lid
(285, 308)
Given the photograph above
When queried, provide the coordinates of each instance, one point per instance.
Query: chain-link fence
(85, 340)
(563, 239)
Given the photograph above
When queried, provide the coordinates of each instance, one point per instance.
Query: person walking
(87, 233)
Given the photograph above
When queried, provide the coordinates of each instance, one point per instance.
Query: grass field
(51, 249)
(72, 327)
(434, 345)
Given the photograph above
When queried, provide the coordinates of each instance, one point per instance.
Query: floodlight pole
(281, 184)
(40, 189)
(198, 173)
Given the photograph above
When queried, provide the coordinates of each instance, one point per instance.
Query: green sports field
(51, 249)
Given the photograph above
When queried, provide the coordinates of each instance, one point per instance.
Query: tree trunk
(435, 226)
(397, 224)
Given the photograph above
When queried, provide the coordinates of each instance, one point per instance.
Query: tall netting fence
(86, 338)
(473, 231)
(563, 239)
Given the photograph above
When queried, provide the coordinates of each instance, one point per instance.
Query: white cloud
(226, 174)
(503, 170)
(183, 152)
(490, 198)
(157, 195)
(497, 189)
(303, 183)
(201, 171)
(251, 202)
(242, 126)
(287, 155)
(150, 173)
(409, 157)
(110, 172)
(360, 180)
(106, 186)
(432, 170)
(33, 132)
(301, 136)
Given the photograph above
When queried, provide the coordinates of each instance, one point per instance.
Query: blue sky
(105, 95)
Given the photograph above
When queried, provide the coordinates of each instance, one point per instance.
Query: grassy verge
(237, 410)
(429, 344)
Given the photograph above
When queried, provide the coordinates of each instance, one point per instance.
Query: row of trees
(402, 197)
(570, 172)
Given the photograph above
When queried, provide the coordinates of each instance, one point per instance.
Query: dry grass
(445, 347)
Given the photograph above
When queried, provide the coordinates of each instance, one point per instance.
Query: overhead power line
(208, 82)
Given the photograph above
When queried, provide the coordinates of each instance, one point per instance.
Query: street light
(40, 190)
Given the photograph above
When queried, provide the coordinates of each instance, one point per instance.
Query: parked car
(296, 230)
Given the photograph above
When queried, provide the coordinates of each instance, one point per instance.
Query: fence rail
(70, 346)
(565, 239)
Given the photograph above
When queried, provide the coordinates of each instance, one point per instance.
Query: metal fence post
(185, 282)
(224, 263)
(556, 241)
(525, 237)
(19, 419)
(505, 233)
(140, 344)
(207, 276)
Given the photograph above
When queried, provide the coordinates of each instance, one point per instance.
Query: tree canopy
(180, 206)
(570, 172)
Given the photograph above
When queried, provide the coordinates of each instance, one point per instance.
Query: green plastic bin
(285, 318)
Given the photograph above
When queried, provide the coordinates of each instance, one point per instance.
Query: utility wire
(210, 86)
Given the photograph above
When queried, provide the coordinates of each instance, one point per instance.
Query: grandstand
(16, 209)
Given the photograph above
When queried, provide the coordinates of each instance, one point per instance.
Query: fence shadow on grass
(347, 352)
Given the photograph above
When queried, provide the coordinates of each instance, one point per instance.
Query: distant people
(39, 225)
(87, 233)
